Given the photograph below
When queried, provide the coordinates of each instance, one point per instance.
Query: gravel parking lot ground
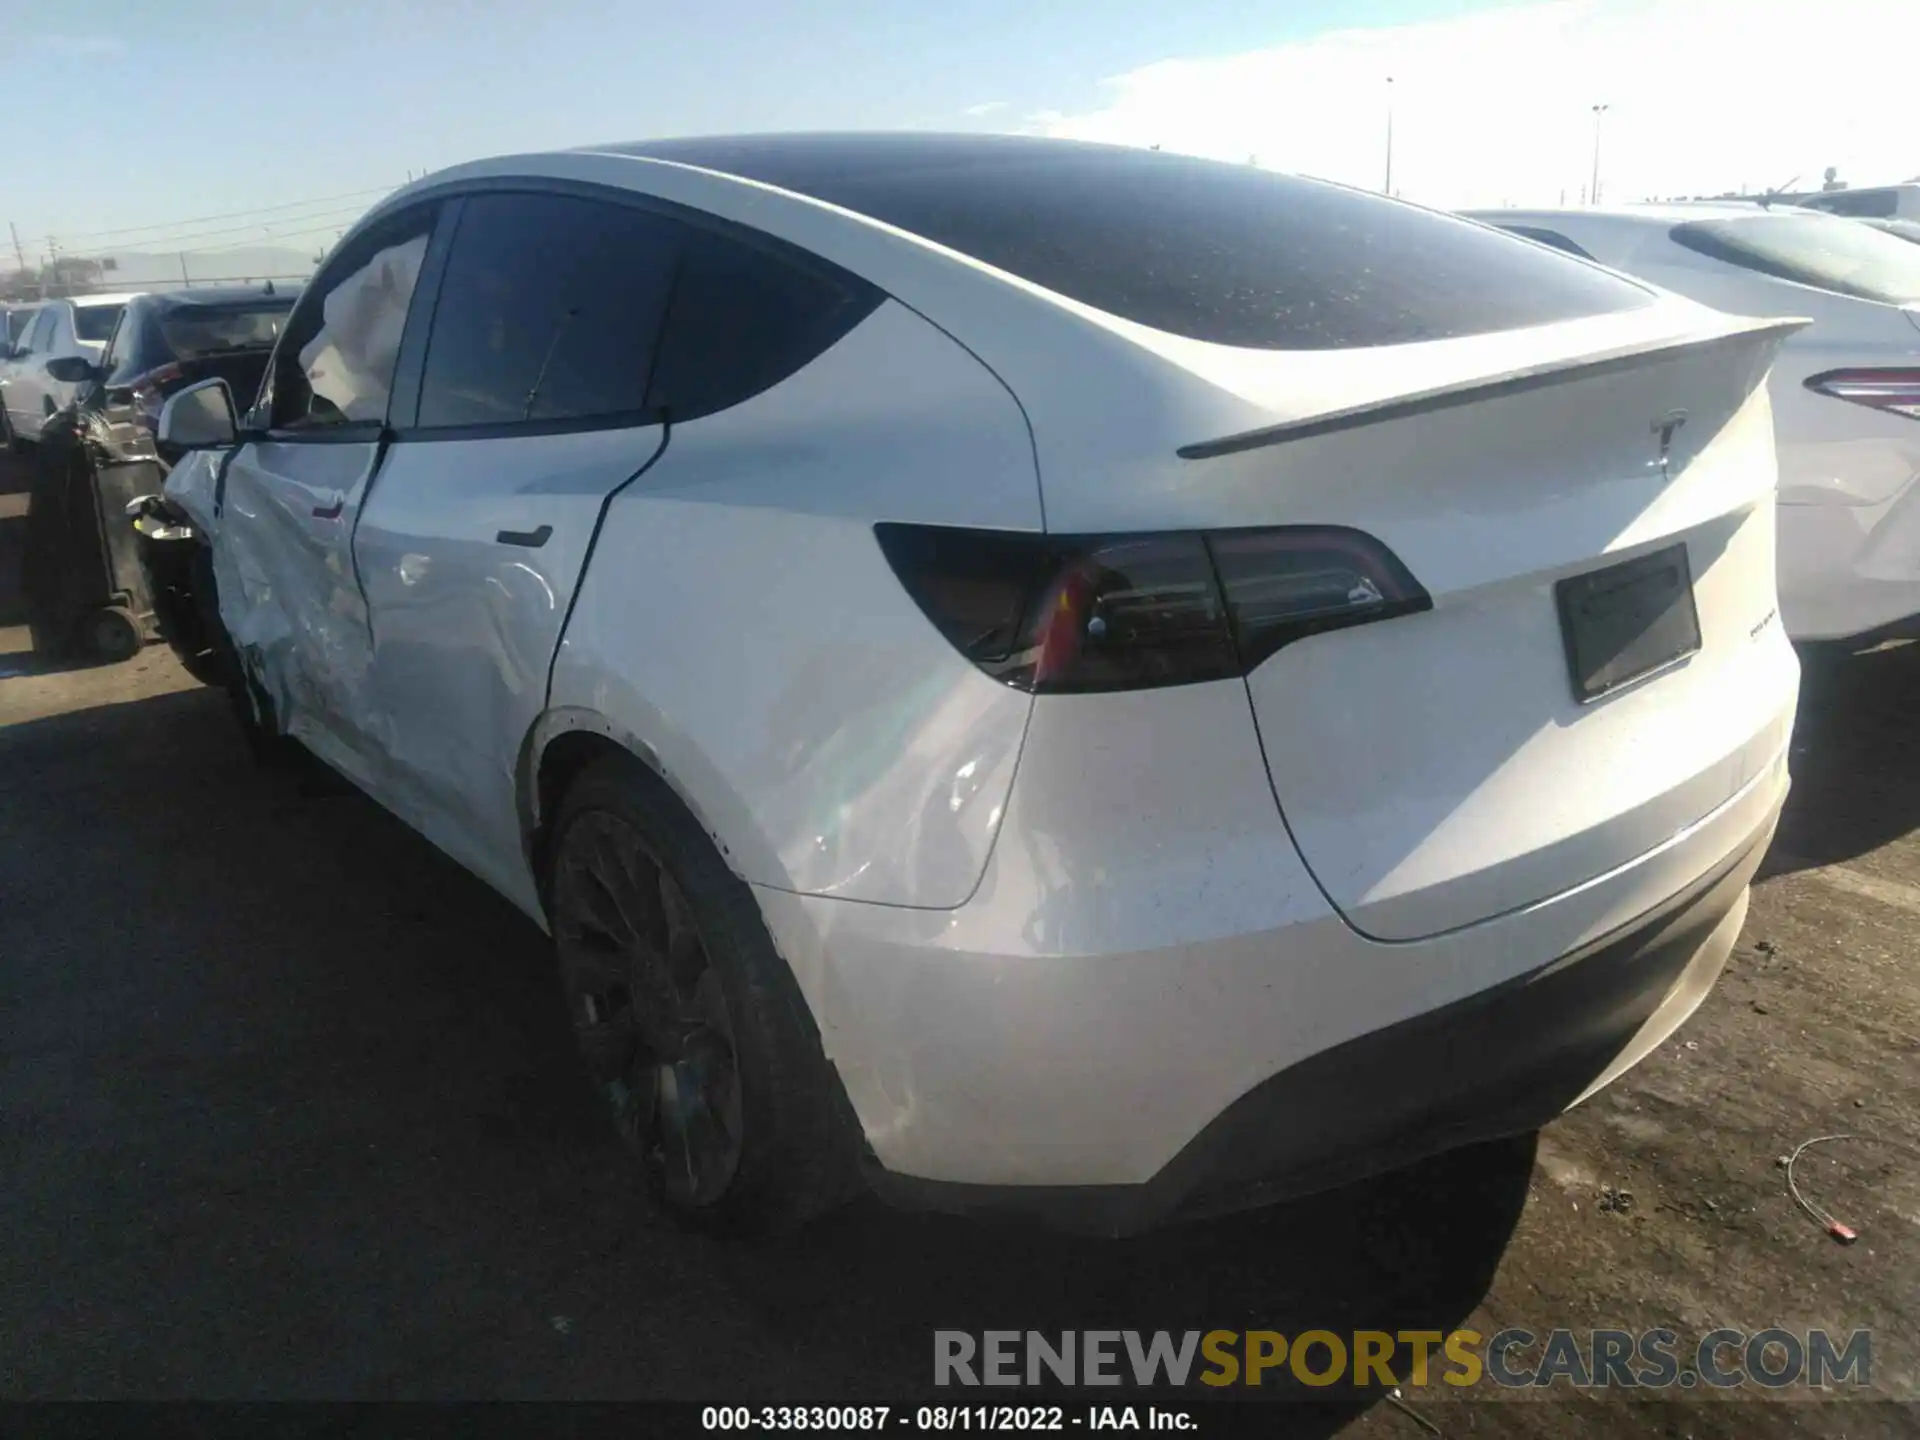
(287, 1109)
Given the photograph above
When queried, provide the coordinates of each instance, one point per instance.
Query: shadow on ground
(303, 1121)
(1856, 758)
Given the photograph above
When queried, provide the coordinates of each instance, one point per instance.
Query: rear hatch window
(1230, 254)
(1828, 253)
(193, 332)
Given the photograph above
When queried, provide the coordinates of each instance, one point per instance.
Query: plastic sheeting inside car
(350, 363)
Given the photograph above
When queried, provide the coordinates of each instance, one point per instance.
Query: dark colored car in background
(168, 341)
(89, 586)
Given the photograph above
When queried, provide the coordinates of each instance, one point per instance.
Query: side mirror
(200, 417)
(72, 369)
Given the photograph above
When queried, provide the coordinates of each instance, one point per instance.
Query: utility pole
(184, 279)
(19, 250)
(1388, 190)
(1594, 190)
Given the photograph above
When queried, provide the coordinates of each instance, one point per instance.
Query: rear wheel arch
(800, 1150)
(561, 746)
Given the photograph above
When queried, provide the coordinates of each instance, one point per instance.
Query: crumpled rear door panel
(288, 594)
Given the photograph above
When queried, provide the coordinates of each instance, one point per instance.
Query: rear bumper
(1501, 1062)
(1147, 951)
(1154, 1021)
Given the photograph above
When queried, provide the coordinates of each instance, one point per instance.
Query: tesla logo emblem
(1665, 429)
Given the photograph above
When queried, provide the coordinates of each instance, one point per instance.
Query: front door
(531, 414)
(292, 495)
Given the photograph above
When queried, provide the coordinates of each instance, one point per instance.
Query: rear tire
(9, 442)
(689, 1022)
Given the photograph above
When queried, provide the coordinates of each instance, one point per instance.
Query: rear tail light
(1897, 391)
(147, 391)
(1052, 614)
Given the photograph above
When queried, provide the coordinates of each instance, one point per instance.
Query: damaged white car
(1027, 675)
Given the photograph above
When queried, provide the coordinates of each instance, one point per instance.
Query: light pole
(1389, 186)
(1593, 192)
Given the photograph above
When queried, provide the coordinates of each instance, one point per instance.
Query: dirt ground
(287, 1110)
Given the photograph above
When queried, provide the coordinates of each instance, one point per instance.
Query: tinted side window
(335, 362)
(1547, 237)
(549, 310)
(743, 318)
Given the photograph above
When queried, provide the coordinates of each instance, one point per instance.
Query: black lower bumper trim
(1501, 1062)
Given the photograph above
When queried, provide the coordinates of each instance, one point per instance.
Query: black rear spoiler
(1470, 392)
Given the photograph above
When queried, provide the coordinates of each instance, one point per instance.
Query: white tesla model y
(1027, 674)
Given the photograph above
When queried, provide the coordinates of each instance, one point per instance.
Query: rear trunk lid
(1442, 767)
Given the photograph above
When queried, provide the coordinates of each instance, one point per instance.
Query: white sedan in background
(31, 389)
(1846, 390)
(1035, 675)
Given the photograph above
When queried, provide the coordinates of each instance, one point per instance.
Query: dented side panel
(739, 627)
(289, 596)
(469, 551)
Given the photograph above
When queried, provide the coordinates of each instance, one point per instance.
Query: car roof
(806, 158)
(88, 302)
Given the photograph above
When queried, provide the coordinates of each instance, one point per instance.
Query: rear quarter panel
(739, 628)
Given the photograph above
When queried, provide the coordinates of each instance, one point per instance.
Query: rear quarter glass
(1229, 254)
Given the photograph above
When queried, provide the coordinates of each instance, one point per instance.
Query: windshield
(1843, 256)
(94, 323)
(192, 331)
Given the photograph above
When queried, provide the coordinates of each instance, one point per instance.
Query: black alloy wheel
(648, 1009)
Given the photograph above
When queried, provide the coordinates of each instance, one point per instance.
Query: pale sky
(276, 122)
(1702, 96)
